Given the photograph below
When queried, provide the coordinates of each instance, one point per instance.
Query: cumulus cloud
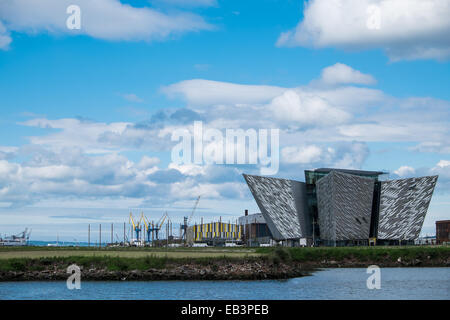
(5, 38)
(102, 19)
(350, 155)
(441, 168)
(306, 109)
(66, 174)
(342, 74)
(207, 92)
(321, 125)
(301, 154)
(404, 29)
(405, 171)
(432, 146)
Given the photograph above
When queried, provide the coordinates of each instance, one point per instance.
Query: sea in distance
(334, 284)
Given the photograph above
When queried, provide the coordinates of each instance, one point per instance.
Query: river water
(396, 283)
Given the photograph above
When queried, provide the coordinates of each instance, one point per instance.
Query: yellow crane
(152, 227)
(160, 223)
(136, 226)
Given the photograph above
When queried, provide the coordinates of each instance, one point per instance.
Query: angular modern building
(343, 207)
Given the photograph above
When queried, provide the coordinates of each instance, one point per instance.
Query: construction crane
(136, 226)
(148, 226)
(154, 228)
(160, 223)
(187, 220)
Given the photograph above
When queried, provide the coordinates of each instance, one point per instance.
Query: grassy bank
(206, 263)
(360, 254)
(174, 254)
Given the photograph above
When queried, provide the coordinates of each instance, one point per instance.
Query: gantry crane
(187, 220)
(136, 226)
(153, 228)
(160, 223)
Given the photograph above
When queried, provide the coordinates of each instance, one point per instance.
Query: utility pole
(89, 235)
(112, 229)
(124, 234)
(100, 235)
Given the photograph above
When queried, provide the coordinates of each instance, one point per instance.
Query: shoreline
(213, 264)
(245, 270)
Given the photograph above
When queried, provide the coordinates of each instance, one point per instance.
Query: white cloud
(148, 162)
(432, 146)
(408, 29)
(132, 97)
(306, 109)
(320, 125)
(75, 133)
(103, 19)
(305, 154)
(208, 92)
(338, 155)
(5, 38)
(441, 169)
(342, 74)
(405, 171)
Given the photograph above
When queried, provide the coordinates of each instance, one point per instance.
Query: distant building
(343, 207)
(442, 231)
(425, 240)
(214, 233)
(255, 230)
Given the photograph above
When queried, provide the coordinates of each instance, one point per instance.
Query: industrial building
(214, 233)
(443, 231)
(343, 207)
(255, 231)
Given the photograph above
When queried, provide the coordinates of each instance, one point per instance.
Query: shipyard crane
(148, 226)
(152, 227)
(187, 220)
(136, 226)
(160, 223)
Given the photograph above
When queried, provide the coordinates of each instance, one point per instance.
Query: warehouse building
(443, 231)
(255, 231)
(214, 233)
(343, 207)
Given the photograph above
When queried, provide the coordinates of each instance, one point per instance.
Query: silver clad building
(345, 206)
(403, 206)
(282, 204)
(342, 207)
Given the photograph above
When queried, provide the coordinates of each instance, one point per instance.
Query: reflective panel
(403, 206)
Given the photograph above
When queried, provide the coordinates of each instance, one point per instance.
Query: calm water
(396, 283)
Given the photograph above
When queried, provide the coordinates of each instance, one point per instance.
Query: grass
(115, 259)
(358, 253)
(173, 253)
(108, 263)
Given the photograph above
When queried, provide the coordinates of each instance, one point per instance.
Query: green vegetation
(126, 259)
(357, 253)
(175, 253)
(107, 263)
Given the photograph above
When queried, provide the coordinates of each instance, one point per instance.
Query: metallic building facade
(343, 205)
(281, 205)
(214, 231)
(403, 206)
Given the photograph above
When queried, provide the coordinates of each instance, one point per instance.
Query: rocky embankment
(217, 270)
(228, 271)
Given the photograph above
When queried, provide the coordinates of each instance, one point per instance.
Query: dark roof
(349, 171)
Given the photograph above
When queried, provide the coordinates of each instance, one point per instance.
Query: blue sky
(85, 114)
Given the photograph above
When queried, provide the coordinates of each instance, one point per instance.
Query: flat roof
(349, 171)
